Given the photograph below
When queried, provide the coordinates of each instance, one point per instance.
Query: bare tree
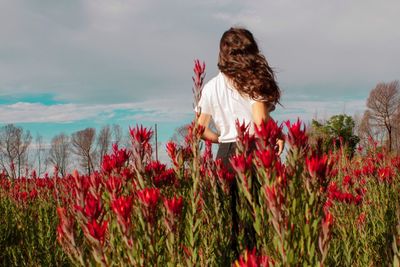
(14, 143)
(117, 134)
(40, 155)
(383, 104)
(59, 153)
(103, 142)
(180, 133)
(83, 146)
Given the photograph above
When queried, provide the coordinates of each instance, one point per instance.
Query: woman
(244, 90)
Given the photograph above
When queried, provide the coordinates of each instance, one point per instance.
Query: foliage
(337, 132)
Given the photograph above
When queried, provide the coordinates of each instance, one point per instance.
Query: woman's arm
(204, 120)
(260, 112)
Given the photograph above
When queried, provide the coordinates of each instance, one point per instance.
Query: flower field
(312, 209)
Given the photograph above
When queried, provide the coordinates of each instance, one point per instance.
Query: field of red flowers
(311, 209)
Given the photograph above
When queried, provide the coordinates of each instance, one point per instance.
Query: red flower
(240, 163)
(174, 205)
(297, 135)
(160, 174)
(318, 167)
(172, 152)
(224, 175)
(199, 69)
(97, 231)
(269, 132)
(195, 131)
(122, 207)
(250, 259)
(93, 207)
(265, 158)
(347, 181)
(116, 160)
(149, 197)
(140, 135)
(396, 163)
(385, 174)
(33, 194)
(114, 185)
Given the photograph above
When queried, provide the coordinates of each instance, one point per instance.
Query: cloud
(113, 51)
(148, 111)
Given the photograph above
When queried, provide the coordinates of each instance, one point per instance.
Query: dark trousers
(225, 152)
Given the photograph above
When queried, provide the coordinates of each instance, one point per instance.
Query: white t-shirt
(225, 105)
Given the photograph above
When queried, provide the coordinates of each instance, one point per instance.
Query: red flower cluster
(335, 194)
(149, 197)
(159, 174)
(116, 160)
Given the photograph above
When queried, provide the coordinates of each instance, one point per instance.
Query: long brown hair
(241, 61)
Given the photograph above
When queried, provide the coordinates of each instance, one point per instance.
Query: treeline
(19, 154)
(380, 123)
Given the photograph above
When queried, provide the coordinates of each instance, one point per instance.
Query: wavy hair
(241, 61)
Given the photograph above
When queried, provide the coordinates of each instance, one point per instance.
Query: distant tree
(103, 142)
(337, 131)
(383, 106)
(83, 146)
(40, 155)
(117, 134)
(59, 153)
(180, 133)
(14, 143)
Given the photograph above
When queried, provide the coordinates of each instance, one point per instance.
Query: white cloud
(159, 110)
(97, 53)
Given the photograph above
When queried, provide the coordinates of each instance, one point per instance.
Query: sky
(70, 64)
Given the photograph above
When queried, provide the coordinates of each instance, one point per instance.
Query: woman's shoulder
(213, 84)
